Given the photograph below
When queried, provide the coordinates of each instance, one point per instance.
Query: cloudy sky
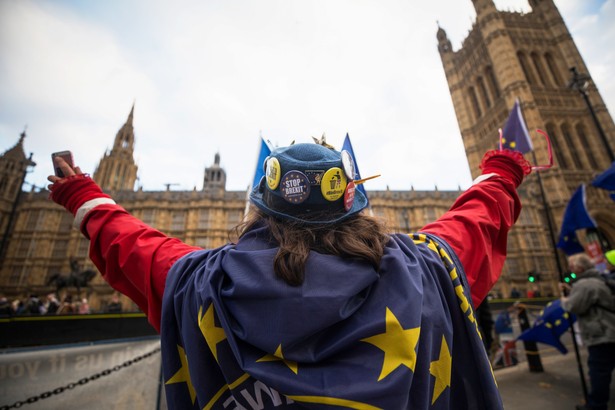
(213, 75)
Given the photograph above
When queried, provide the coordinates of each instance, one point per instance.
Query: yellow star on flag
(441, 370)
(397, 343)
(279, 356)
(212, 334)
(183, 374)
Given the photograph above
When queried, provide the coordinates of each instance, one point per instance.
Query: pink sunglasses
(537, 167)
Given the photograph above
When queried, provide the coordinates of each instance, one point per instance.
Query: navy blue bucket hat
(308, 183)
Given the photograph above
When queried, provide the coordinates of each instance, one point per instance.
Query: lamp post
(580, 82)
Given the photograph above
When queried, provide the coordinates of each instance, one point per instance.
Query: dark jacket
(592, 301)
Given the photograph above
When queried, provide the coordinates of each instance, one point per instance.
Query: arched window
(582, 134)
(539, 69)
(559, 156)
(483, 91)
(572, 149)
(526, 68)
(557, 80)
(474, 99)
(493, 84)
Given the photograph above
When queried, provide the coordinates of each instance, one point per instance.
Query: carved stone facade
(506, 56)
(43, 241)
(529, 56)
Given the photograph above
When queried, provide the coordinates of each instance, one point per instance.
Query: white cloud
(210, 76)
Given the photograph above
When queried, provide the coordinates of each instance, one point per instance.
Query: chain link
(81, 382)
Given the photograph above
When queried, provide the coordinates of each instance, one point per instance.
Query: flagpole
(550, 224)
(561, 275)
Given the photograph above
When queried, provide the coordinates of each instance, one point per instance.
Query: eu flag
(575, 217)
(503, 324)
(348, 147)
(515, 134)
(264, 153)
(606, 180)
(569, 244)
(549, 326)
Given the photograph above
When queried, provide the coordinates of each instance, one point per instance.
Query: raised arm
(132, 257)
(477, 224)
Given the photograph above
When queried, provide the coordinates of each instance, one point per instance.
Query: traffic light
(531, 277)
(570, 277)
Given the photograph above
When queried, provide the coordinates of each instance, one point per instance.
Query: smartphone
(66, 156)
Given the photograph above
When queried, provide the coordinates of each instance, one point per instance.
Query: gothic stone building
(506, 56)
(532, 57)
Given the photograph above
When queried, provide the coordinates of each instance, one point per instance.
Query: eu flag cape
(400, 337)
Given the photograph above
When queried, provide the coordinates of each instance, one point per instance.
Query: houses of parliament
(507, 56)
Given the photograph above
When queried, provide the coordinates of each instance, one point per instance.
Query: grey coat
(594, 304)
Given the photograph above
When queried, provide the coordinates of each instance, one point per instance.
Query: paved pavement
(557, 388)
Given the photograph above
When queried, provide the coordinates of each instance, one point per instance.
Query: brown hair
(362, 237)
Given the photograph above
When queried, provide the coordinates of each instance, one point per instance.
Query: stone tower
(117, 170)
(215, 176)
(529, 56)
(13, 168)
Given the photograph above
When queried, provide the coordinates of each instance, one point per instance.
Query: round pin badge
(348, 164)
(349, 196)
(295, 187)
(333, 184)
(272, 173)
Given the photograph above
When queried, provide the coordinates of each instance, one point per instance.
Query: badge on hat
(348, 164)
(333, 184)
(295, 187)
(272, 173)
(349, 196)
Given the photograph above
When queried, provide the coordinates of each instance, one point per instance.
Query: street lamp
(580, 82)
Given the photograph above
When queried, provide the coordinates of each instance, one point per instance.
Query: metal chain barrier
(81, 382)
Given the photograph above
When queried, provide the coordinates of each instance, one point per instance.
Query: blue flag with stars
(606, 180)
(262, 155)
(569, 243)
(515, 134)
(404, 336)
(503, 323)
(549, 326)
(347, 145)
(576, 217)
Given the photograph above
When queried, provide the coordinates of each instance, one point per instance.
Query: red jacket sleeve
(477, 227)
(133, 257)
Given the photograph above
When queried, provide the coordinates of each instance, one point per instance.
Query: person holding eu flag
(316, 305)
(592, 301)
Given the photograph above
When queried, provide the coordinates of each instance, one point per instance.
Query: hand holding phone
(67, 156)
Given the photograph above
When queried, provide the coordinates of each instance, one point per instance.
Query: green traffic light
(531, 279)
(573, 275)
(567, 279)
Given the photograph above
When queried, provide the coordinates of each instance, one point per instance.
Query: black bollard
(531, 349)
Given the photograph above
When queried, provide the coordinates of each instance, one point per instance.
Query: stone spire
(117, 170)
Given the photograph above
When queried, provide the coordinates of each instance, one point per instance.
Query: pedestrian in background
(52, 304)
(610, 263)
(67, 306)
(592, 301)
(114, 306)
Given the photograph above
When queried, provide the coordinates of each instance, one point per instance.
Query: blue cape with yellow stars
(405, 337)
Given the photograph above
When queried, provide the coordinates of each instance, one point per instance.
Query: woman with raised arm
(316, 305)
